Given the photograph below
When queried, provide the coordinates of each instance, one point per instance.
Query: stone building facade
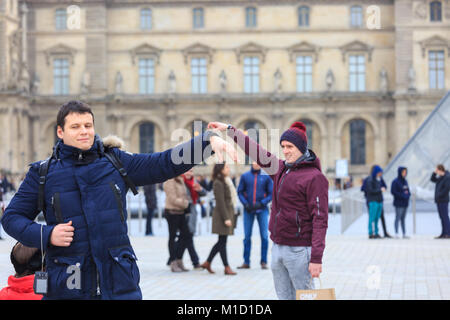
(363, 75)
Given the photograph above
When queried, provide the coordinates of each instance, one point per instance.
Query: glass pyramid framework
(429, 146)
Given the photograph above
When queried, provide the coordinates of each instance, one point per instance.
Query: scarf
(232, 189)
(190, 185)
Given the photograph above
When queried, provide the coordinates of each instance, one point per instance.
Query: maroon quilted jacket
(299, 213)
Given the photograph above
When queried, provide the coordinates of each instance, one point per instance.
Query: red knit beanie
(296, 134)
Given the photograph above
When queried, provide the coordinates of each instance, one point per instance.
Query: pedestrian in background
(401, 193)
(255, 193)
(152, 205)
(177, 202)
(441, 178)
(222, 219)
(194, 191)
(375, 191)
(363, 189)
(26, 262)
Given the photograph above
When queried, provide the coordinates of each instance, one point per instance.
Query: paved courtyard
(358, 268)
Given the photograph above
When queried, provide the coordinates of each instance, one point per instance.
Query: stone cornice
(209, 2)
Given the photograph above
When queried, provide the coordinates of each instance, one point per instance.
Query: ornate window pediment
(198, 50)
(145, 51)
(251, 48)
(435, 42)
(303, 48)
(60, 51)
(356, 47)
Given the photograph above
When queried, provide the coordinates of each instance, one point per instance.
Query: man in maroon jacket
(299, 213)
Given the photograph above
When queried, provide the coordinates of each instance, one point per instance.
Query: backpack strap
(43, 170)
(119, 166)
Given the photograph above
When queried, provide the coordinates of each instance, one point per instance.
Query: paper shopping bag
(317, 294)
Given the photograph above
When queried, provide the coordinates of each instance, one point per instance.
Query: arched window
(356, 17)
(198, 127)
(146, 137)
(146, 19)
(435, 11)
(357, 142)
(309, 131)
(303, 16)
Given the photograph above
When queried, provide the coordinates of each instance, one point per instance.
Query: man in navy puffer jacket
(87, 249)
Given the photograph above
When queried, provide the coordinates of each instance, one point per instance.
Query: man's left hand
(315, 269)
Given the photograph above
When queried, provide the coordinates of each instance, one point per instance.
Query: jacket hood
(113, 141)
(376, 169)
(310, 160)
(399, 172)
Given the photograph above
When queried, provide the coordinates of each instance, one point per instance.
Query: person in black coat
(152, 204)
(442, 179)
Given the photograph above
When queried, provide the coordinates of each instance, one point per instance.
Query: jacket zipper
(56, 204)
(96, 281)
(298, 223)
(278, 194)
(117, 194)
(254, 188)
(318, 207)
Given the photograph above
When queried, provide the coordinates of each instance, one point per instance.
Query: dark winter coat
(92, 194)
(299, 212)
(400, 190)
(442, 187)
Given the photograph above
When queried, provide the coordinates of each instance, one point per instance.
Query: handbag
(316, 294)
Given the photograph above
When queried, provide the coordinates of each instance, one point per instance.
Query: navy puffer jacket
(400, 190)
(91, 193)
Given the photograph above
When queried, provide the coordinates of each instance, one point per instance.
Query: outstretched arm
(266, 160)
(145, 168)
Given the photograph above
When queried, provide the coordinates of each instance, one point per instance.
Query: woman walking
(222, 219)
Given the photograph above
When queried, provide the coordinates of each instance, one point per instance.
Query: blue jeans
(400, 214)
(375, 209)
(263, 222)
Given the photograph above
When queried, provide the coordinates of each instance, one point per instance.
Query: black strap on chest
(111, 156)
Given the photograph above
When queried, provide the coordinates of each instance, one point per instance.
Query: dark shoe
(207, 265)
(264, 266)
(229, 272)
(440, 237)
(371, 236)
(446, 237)
(387, 236)
(377, 236)
(244, 266)
(197, 267)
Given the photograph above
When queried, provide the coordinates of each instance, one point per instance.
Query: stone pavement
(358, 268)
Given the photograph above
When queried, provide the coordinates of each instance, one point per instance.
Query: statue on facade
(384, 86)
(278, 78)
(223, 82)
(35, 84)
(411, 79)
(172, 83)
(329, 80)
(118, 83)
(85, 83)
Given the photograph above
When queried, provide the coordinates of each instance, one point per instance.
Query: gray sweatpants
(290, 270)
